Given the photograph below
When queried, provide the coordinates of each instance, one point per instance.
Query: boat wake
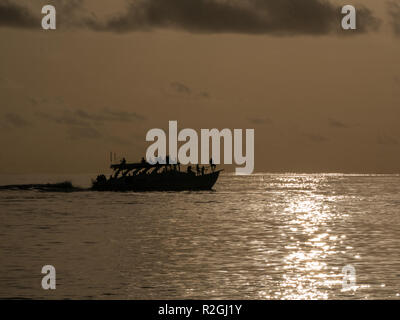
(65, 186)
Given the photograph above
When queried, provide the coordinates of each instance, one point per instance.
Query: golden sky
(319, 100)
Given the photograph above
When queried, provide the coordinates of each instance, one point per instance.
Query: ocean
(264, 236)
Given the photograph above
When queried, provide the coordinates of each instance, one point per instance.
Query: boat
(144, 176)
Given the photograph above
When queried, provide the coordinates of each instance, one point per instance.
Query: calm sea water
(266, 236)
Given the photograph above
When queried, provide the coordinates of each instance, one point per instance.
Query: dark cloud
(67, 118)
(109, 115)
(204, 94)
(387, 140)
(14, 120)
(88, 116)
(16, 16)
(337, 124)
(180, 88)
(81, 117)
(72, 13)
(81, 124)
(117, 115)
(394, 12)
(283, 17)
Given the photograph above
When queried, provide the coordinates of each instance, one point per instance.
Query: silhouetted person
(198, 169)
(143, 160)
(212, 165)
(123, 161)
(189, 170)
(202, 170)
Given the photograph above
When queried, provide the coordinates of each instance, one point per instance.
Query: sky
(320, 99)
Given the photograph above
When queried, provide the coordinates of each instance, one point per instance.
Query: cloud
(81, 124)
(109, 115)
(13, 120)
(117, 115)
(394, 12)
(337, 124)
(72, 13)
(181, 88)
(81, 117)
(204, 94)
(88, 116)
(387, 140)
(67, 118)
(283, 17)
(16, 16)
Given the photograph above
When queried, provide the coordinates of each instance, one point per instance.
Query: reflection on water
(272, 236)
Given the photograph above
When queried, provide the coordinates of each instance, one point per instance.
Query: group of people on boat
(162, 175)
(177, 168)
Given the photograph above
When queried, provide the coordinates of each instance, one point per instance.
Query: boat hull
(169, 181)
